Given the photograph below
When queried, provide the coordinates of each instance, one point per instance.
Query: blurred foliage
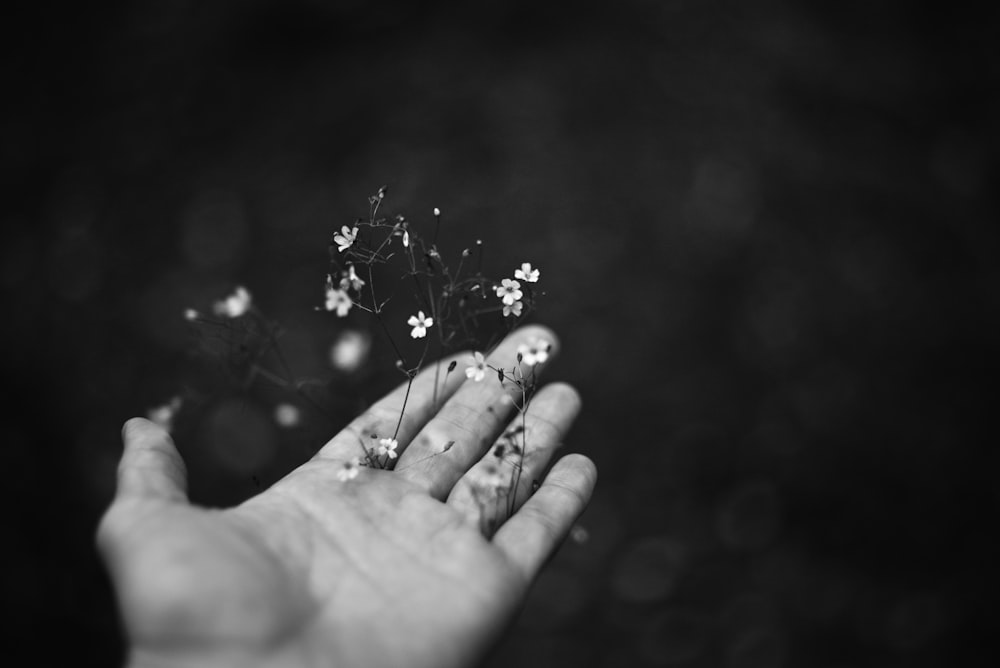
(764, 232)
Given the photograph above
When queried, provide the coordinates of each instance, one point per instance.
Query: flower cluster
(338, 297)
(450, 303)
(451, 300)
(509, 290)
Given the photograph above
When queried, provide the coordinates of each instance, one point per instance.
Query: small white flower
(509, 291)
(490, 477)
(437, 211)
(477, 370)
(234, 305)
(387, 446)
(419, 323)
(190, 314)
(345, 238)
(514, 308)
(526, 273)
(164, 415)
(350, 350)
(349, 470)
(353, 279)
(338, 300)
(406, 239)
(534, 351)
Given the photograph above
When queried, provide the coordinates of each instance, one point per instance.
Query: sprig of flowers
(448, 304)
(449, 301)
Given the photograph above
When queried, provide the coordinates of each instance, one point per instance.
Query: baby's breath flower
(353, 279)
(345, 238)
(164, 415)
(419, 323)
(534, 351)
(191, 314)
(406, 239)
(287, 415)
(349, 470)
(350, 350)
(234, 305)
(509, 291)
(338, 300)
(477, 370)
(387, 446)
(490, 477)
(526, 273)
(514, 308)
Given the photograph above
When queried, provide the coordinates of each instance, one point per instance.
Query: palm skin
(318, 571)
(272, 577)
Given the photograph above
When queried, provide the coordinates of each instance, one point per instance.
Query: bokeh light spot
(287, 415)
(350, 350)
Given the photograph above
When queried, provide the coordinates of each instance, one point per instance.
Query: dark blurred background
(767, 233)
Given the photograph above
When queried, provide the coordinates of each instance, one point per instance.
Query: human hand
(389, 568)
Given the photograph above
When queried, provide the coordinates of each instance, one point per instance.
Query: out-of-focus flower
(349, 470)
(164, 414)
(419, 323)
(287, 415)
(338, 300)
(387, 447)
(490, 477)
(514, 308)
(353, 279)
(535, 351)
(190, 314)
(345, 238)
(526, 273)
(234, 305)
(350, 350)
(509, 291)
(477, 370)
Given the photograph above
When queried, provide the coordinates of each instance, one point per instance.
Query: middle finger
(470, 421)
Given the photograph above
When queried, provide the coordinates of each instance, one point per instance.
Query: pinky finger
(530, 537)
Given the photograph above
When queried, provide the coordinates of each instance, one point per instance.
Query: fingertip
(150, 465)
(533, 534)
(577, 472)
(583, 464)
(567, 395)
(130, 426)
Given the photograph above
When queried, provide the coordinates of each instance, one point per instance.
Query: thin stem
(406, 398)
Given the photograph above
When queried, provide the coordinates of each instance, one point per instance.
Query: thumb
(150, 467)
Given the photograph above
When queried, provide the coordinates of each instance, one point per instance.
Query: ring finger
(496, 486)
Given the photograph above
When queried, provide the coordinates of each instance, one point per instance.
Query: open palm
(419, 565)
